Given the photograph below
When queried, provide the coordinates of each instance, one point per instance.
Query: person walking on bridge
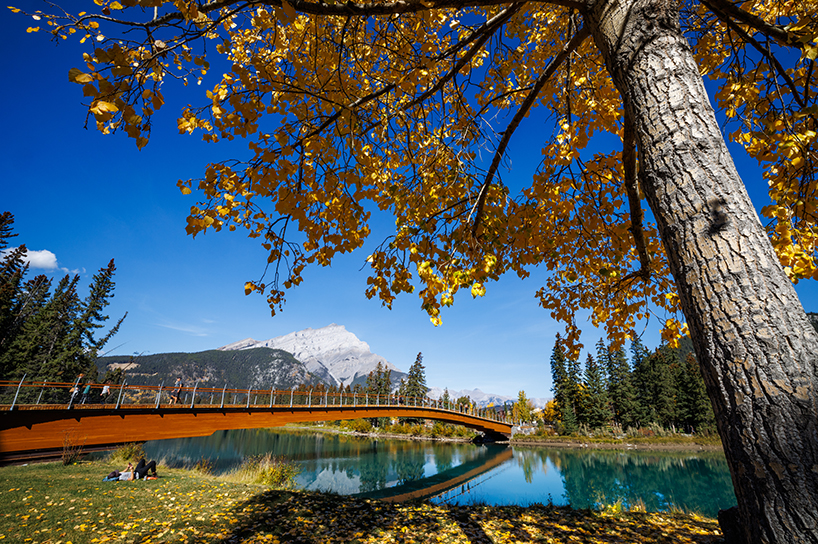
(177, 390)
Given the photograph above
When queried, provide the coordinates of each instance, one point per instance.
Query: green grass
(50, 502)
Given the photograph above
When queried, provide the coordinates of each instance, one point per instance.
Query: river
(471, 474)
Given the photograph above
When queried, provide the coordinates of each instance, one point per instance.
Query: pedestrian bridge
(42, 419)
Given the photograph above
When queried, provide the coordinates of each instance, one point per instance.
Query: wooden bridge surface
(27, 430)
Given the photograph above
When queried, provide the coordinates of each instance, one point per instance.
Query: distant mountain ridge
(260, 368)
(332, 353)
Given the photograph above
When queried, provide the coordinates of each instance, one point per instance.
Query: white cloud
(41, 259)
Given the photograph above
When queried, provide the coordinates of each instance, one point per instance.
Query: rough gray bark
(758, 351)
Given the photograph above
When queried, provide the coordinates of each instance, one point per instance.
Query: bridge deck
(49, 428)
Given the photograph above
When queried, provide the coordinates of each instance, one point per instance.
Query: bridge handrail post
(271, 397)
(119, 398)
(354, 400)
(292, 391)
(193, 396)
(326, 396)
(248, 396)
(367, 399)
(159, 394)
(18, 392)
(309, 399)
(41, 393)
(223, 392)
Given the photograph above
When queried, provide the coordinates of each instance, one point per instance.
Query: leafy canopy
(408, 108)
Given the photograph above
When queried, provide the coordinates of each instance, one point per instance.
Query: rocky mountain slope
(258, 368)
(331, 353)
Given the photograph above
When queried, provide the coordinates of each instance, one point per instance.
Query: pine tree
(621, 391)
(569, 420)
(13, 269)
(596, 410)
(575, 390)
(378, 387)
(416, 381)
(639, 355)
(445, 399)
(559, 377)
(693, 408)
(656, 386)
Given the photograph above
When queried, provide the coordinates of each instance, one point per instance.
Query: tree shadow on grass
(297, 517)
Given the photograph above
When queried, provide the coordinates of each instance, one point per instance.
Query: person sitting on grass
(140, 472)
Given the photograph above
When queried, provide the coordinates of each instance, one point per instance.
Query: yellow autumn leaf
(289, 11)
(101, 106)
(75, 75)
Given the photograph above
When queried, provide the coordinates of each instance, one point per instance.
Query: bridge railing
(80, 396)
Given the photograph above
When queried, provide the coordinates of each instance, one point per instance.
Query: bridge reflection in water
(442, 482)
(29, 429)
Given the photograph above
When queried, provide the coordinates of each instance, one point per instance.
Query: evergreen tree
(639, 355)
(379, 381)
(12, 271)
(596, 411)
(569, 420)
(694, 411)
(575, 390)
(379, 385)
(621, 391)
(446, 399)
(416, 381)
(49, 336)
(559, 377)
(657, 388)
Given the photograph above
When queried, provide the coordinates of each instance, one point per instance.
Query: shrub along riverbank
(52, 503)
(441, 431)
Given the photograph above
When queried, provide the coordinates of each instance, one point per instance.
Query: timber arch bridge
(40, 419)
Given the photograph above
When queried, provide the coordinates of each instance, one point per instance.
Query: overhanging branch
(629, 167)
(575, 42)
(360, 9)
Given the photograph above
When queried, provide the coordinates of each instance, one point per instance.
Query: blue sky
(87, 198)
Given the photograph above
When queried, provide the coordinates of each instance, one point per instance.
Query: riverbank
(679, 444)
(50, 503)
(676, 443)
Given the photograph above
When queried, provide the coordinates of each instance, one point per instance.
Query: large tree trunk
(757, 350)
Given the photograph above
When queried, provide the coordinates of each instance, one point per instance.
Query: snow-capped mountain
(332, 353)
(480, 398)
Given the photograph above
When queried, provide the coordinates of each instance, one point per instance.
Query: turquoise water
(472, 474)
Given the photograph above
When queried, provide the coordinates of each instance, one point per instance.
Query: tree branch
(361, 9)
(774, 62)
(723, 8)
(575, 42)
(629, 167)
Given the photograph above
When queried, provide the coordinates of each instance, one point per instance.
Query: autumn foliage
(348, 114)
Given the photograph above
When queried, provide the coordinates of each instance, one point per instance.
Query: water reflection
(582, 478)
(691, 481)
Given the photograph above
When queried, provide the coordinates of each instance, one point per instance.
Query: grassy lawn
(51, 503)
